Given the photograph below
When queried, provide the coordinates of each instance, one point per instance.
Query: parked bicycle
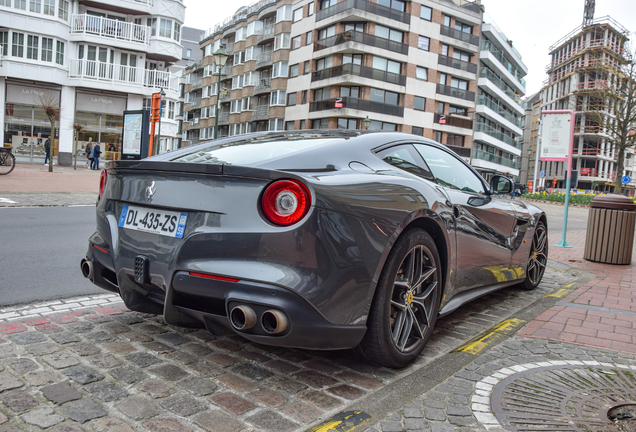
(7, 160)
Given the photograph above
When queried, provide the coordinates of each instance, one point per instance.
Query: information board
(135, 135)
(557, 134)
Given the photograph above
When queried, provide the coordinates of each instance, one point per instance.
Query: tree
(615, 108)
(77, 127)
(49, 105)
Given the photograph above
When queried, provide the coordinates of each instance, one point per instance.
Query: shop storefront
(102, 119)
(26, 124)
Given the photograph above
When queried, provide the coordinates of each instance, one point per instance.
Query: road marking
(82, 205)
(563, 291)
(342, 422)
(6, 201)
(497, 333)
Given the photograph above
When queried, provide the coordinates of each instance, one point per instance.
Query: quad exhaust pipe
(272, 321)
(87, 268)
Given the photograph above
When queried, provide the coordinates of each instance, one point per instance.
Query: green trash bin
(610, 230)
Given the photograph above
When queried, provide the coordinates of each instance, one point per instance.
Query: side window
(405, 157)
(449, 171)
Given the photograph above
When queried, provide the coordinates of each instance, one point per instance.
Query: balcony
(596, 43)
(196, 83)
(457, 64)
(365, 6)
(109, 72)
(499, 83)
(264, 60)
(590, 129)
(225, 97)
(489, 130)
(449, 120)
(263, 85)
(224, 118)
(358, 104)
(482, 100)
(455, 92)
(195, 103)
(598, 85)
(363, 38)
(459, 35)
(110, 28)
(592, 172)
(489, 157)
(260, 113)
(265, 34)
(490, 47)
(361, 71)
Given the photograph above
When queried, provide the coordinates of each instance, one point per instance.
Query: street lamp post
(366, 123)
(163, 94)
(220, 57)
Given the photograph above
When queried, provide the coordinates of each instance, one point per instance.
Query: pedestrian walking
(89, 159)
(95, 153)
(47, 149)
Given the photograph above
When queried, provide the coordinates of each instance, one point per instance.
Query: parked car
(317, 239)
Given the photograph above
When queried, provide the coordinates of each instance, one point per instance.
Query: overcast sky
(532, 25)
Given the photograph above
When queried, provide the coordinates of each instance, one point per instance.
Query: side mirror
(500, 185)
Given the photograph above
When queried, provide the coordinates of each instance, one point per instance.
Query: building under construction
(583, 67)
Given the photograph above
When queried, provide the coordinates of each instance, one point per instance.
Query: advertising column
(67, 114)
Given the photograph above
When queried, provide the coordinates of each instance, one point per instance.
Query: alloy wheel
(538, 255)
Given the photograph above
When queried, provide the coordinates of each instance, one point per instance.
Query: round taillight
(102, 182)
(285, 202)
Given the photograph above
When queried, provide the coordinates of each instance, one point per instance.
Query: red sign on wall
(339, 103)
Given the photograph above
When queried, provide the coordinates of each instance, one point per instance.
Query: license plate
(171, 224)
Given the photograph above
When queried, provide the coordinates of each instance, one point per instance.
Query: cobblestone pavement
(90, 364)
(47, 200)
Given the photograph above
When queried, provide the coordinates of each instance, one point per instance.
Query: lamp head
(220, 56)
(366, 122)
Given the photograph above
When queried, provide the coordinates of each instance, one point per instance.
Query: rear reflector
(285, 202)
(101, 249)
(209, 276)
(102, 182)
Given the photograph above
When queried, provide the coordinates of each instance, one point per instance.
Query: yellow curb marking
(567, 289)
(477, 345)
(342, 422)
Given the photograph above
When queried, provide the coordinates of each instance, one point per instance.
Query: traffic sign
(626, 179)
(542, 174)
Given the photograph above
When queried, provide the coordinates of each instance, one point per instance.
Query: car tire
(407, 297)
(538, 258)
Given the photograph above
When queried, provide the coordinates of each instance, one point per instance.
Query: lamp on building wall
(366, 123)
(220, 57)
(163, 95)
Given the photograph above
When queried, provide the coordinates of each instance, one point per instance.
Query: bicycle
(7, 160)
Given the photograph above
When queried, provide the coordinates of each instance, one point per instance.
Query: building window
(350, 91)
(295, 42)
(324, 63)
(241, 34)
(49, 7)
(298, 14)
(32, 47)
(35, 6)
(421, 73)
(302, 122)
(388, 33)
(442, 78)
(463, 27)
(455, 140)
(352, 58)
(303, 99)
(387, 97)
(423, 42)
(322, 123)
(378, 125)
(293, 71)
(322, 93)
(246, 103)
(426, 13)
(165, 28)
(462, 111)
(277, 98)
(440, 107)
(461, 55)
(171, 110)
(276, 124)
(347, 123)
(386, 65)
(359, 27)
(282, 41)
(19, 4)
(393, 4)
(291, 99)
(445, 49)
(4, 42)
(438, 136)
(326, 32)
(177, 32)
(17, 48)
(308, 38)
(459, 83)
(289, 125)
(62, 12)
(324, 4)
(306, 68)
(311, 9)
(280, 69)
(417, 131)
(447, 20)
(284, 13)
(419, 103)
(152, 23)
(188, 53)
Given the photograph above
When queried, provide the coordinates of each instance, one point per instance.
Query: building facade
(497, 146)
(584, 64)
(405, 66)
(91, 59)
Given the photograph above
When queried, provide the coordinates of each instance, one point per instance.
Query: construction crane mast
(588, 12)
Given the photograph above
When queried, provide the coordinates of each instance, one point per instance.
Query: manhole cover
(563, 398)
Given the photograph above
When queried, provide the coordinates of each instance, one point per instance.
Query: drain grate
(563, 398)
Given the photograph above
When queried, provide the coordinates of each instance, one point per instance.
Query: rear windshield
(250, 152)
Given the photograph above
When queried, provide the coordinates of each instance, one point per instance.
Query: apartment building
(583, 65)
(92, 59)
(405, 66)
(498, 134)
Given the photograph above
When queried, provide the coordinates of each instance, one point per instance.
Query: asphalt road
(41, 251)
(577, 219)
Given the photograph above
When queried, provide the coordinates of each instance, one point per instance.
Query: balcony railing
(593, 85)
(457, 64)
(489, 157)
(225, 97)
(196, 83)
(588, 129)
(455, 92)
(261, 112)
(110, 28)
(224, 118)
(366, 6)
(265, 59)
(363, 38)
(490, 47)
(482, 100)
(359, 104)
(102, 71)
(596, 43)
(450, 120)
(592, 172)
(361, 71)
(489, 130)
(262, 85)
(460, 35)
(267, 32)
(195, 103)
(498, 82)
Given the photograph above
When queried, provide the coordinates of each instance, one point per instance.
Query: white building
(94, 59)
